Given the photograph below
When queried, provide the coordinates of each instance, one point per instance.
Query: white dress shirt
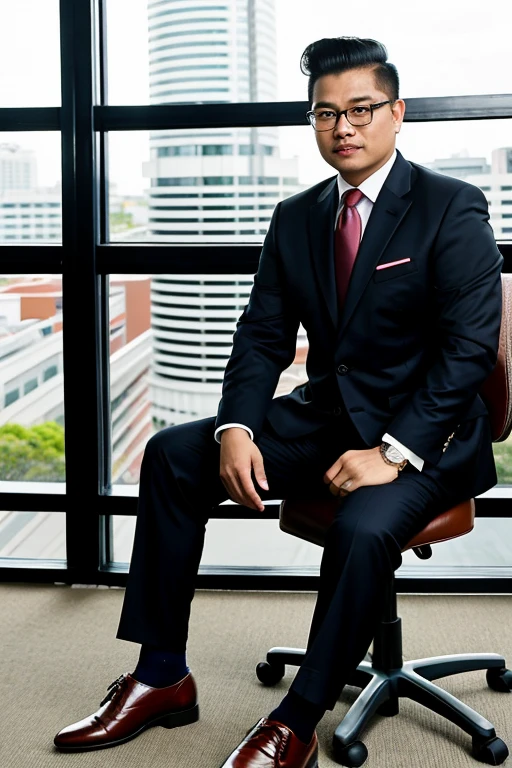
(370, 188)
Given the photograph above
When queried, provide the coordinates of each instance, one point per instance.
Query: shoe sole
(171, 720)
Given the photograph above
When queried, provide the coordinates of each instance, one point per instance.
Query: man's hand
(357, 468)
(238, 457)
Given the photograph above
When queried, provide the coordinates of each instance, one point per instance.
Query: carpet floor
(59, 654)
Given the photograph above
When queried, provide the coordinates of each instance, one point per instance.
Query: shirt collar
(371, 186)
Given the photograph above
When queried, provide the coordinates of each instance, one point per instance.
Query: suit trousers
(179, 486)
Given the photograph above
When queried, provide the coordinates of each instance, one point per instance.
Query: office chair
(383, 675)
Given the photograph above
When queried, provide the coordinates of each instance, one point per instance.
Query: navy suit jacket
(414, 342)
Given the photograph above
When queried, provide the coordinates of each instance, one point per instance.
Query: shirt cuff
(225, 426)
(406, 453)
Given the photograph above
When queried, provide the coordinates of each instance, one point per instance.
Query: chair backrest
(497, 389)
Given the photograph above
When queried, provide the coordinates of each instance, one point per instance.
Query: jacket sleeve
(467, 298)
(264, 343)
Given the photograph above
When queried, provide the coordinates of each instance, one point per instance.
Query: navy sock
(159, 667)
(298, 714)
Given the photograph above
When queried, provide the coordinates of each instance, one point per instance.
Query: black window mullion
(30, 119)
(258, 114)
(81, 288)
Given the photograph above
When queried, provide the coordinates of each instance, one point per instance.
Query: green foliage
(32, 453)
(120, 221)
(503, 459)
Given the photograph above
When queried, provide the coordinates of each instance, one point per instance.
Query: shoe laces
(260, 740)
(114, 688)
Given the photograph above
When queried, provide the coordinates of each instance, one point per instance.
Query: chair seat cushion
(309, 520)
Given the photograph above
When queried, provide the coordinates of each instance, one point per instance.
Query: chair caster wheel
(353, 754)
(492, 752)
(499, 679)
(269, 674)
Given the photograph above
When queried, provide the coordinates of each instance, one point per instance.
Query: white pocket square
(392, 263)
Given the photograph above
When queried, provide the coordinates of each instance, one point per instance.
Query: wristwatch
(392, 456)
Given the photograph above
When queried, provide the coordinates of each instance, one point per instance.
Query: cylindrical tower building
(209, 186)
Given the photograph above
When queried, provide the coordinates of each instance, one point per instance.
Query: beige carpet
(59, 653)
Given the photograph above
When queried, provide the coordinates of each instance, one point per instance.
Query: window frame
(86, 258)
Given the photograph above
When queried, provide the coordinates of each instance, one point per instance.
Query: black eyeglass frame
(310, 115)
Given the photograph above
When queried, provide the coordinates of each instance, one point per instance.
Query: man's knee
(179, 442)
(365, 536)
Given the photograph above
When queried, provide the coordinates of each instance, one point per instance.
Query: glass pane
(221, 185)
(30, 188)
(240, 50)
(31, 380)
(34, 535)
(503, 458)
(30, 54)
(200, 185)
(170, 339)
(260, 543)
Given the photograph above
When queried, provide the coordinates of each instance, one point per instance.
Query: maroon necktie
(346, 242)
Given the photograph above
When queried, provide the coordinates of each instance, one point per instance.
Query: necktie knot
(352, 197)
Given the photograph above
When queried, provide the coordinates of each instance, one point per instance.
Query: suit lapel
(388, 211)
(321, 234)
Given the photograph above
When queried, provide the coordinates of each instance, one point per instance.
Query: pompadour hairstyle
(333, 55)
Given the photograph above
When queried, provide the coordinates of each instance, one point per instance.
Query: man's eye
(360, 110)
(326, 114)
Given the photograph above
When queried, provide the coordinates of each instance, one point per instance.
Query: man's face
(356, 151)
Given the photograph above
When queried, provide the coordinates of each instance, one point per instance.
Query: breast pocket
(394, 270)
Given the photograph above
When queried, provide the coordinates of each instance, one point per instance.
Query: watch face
(393, 454)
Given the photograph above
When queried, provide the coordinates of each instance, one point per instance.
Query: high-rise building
(27, 212)
(210, 186)
(18, 168)
(460, 165)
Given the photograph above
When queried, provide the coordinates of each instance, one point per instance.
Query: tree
(32, 453)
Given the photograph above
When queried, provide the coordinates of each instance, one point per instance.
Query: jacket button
(337, 411)
(342, 370)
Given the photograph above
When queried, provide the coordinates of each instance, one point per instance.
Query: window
(29, 54)
(150, 327)
(29, 386)
(50, 372)
(11, 397)
(470, 62)
(30, 182)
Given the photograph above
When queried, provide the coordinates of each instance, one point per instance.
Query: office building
(494, 179)
(217, 185)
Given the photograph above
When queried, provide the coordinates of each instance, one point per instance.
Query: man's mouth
(346, 149)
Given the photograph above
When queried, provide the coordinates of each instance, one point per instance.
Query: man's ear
(398, 112)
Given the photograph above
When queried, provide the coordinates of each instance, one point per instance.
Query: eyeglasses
(327, 119)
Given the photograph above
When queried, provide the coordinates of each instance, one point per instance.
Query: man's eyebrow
(359, 99)
(325, 104)
(355, 100)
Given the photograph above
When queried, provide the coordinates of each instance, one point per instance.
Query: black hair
(333, 55)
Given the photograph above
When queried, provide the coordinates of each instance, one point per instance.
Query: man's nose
(343, 127)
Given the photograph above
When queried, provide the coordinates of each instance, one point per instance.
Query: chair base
(382, 689)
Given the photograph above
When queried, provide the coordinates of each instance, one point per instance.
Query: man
(390, 419)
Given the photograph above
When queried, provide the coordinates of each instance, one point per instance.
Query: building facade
(216, 186)
(495, 180)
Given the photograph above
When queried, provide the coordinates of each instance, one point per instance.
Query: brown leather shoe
(128, 709)
(272, 745)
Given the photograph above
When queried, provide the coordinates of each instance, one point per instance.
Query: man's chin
(348, 165)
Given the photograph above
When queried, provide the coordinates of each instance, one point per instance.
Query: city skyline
(467, 62)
